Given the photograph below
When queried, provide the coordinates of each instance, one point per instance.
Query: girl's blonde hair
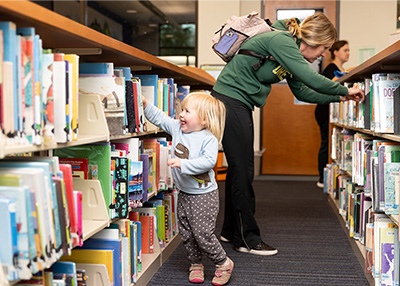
(314, 30)
(209, 109)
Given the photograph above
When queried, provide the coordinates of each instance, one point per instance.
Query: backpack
(237, 30)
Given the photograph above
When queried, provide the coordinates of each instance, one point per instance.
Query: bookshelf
(62, 34)
(386, 61)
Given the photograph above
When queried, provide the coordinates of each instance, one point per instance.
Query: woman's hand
(144, 101)
(355, 94)
(174, 162)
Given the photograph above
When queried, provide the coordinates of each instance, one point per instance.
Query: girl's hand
(174, 162)
(144, 101)
(355, 94)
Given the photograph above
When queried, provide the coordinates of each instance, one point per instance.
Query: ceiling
(153, 12)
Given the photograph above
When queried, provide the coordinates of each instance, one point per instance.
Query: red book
(145, 222)
(80, 167)
(69, 191)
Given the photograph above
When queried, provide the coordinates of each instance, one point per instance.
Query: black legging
(239, 221)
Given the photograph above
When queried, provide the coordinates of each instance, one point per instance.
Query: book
(64, 230)
(10, 55)
(93, 256)
(74, 72)
(96, 274)
(387, 256)
(66, 169)
(8, 236)
(108, 244)
(47, 97)
(67, 268)
(96, 68)
(98, 155)
(78, 238)
(121, 185)
(80, 166)
(25, 239)
(60, 98)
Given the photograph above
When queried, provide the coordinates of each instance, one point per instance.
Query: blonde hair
(209, 109)
(315, 30)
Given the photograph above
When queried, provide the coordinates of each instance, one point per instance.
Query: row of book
(375, 230)
(41, 214)
(380, 109)
(374, 164)
(114, 255)
(40, 89)
(128, 171)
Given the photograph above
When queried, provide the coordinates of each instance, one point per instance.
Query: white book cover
(59, 98)
(69, 98)
(386, 89)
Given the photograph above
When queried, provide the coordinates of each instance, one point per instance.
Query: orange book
(145, 222)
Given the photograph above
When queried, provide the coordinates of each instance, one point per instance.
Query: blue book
(133, 243)
(139, 244)
(171, 96)
(24, 241)
(108, 244)
(8, 237)
(10, 55)
(67, 270)
(96, 68)
(149, 83)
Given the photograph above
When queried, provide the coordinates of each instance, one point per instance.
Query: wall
(363, 28)
(211, 16)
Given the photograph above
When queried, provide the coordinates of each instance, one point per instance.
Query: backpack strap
(257, 55)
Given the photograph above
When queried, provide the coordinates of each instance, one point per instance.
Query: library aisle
(295, 217)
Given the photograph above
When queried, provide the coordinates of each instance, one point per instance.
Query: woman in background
(340, 53)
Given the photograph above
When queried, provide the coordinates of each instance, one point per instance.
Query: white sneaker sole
(223, 239)
(320, 185)
(257, 252)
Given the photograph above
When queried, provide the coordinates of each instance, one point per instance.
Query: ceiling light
(131, 11)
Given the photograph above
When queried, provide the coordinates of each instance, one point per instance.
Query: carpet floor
(296, 218)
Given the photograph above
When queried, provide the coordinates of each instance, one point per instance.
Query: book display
(75, 171)
(363, 179)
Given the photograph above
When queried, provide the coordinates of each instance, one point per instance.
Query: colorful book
(78, 238)
(74, 71)
(65, 269)
(47, 96)
(60, 98)
(96, 68)
(80, 166)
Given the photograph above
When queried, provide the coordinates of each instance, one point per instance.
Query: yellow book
(92, 256)
(74, 60)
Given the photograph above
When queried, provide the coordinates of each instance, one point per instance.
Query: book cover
(79, 166)
(98, 155)
(74, 72)
(96, 68)
(8, 236)
(78, 238)
(20, 194)
(387, 256)
(111, 91)
(67, 268)
(10, 55)
(93, 256)
(108, 244)
(390, 172)
(47, 97)
(142, 123)
(145, 159)
(60, 98)
(138, 244)
(130, 107)
(136, 180)
(66, 169)
(121, 185)
(369, 258)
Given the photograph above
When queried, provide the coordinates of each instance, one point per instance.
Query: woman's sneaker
(224, 239)
(223, 273)
(260, 249)
(196, 274)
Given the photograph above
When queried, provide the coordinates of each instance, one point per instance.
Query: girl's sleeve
(159, 118)
(285, 51)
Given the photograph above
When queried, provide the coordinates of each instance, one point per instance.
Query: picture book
(133, 245)
(387, 256)
(98, 155)
(74, 71)
(108, 244)
(96, 68)
(93, 256)
(60, 99)
(121, 185)
(80, 166)
(77, 239)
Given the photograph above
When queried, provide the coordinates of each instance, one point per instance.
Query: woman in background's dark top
(340, 54)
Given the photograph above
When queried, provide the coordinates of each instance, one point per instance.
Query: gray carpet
(296, 218)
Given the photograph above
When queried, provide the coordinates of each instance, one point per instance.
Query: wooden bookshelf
(60, 33)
